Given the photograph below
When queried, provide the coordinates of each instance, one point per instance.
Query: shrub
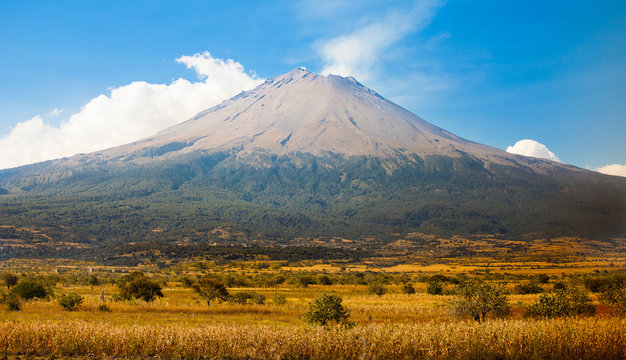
(323, 279)
(279, 300)
(30, 289)
(615, 297)
(104, 308)
(543, 278)
(9, 279)
(137, 286)
(573, 301)
(70, 301)
(408, 289)
(527, 288)
(326, 309)
(93, 280)
(376, 288)
(560, 286)
(210, 289)
(479, 298)
(434, 288)
(12, 301)
(248, 297)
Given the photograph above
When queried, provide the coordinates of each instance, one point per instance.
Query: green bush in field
(527, 288)
(376, 288)
(434, 288)
(279, 300)
(478, 298)
(569, 302)
(9, 279)
(408, 289)
(248, 297)
(104, 308)
(70, 301)
(327, 309)
(30, 289)
(137, 286)
(12, 301)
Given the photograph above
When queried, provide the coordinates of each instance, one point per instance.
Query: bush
(434, 288)
(210, 289)
(559, 286)
(616, 298)
(248, 297)
(279, 300)
(30, 289)
(376, 288)
(479, 298)
(137, 286)
(9, 279)
(70, 301)
(573, 301)
(527, 288)
(408, 289)
(323, 279)
(326, 309)
(104, 308)
(12, 301)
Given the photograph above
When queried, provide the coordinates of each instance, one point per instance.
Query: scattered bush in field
(248, 297)
(597, 284)
(186, 282)
(93, 280)
(326, 309)
(615, 297)
(70, 301)
(408, 289)
(12, 301)
(30, 289)
(527, 288)
(376, 288)
(559, 286)
(137, 286)
(104, 308)
(573, 301)
(323, 279)
(478, 298)
(543, 278)
(9, 279)
(210, 289)
(279, 300)
(434, 288)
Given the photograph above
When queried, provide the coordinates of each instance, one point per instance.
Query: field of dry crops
(392, 326)
(498, 339)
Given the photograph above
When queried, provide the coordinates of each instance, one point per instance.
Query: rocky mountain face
(307, 156)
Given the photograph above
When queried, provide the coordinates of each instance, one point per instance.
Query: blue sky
(494, 72)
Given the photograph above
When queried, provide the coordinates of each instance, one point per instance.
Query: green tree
(478, 298)
(326, 309)
(210, 289)
(70, 301)
(30, 289)
(376, 288)
(568, 302)
(137, 286)
(408, 289)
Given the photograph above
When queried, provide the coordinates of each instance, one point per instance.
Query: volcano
(306, 156)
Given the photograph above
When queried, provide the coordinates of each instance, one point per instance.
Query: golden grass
(509, 339)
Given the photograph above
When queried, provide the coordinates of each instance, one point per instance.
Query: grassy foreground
(511, 339)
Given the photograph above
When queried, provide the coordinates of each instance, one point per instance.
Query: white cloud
(357, 53)
(55, 112)
(532, 148)
(128, 113)
(613, 169)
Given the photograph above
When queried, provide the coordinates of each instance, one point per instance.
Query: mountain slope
(302, 156)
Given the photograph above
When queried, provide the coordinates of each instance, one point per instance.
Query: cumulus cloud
(357, 53)
(128, 113)
(532, 148)
(613, 169)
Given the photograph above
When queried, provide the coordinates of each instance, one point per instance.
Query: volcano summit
(306, 156)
